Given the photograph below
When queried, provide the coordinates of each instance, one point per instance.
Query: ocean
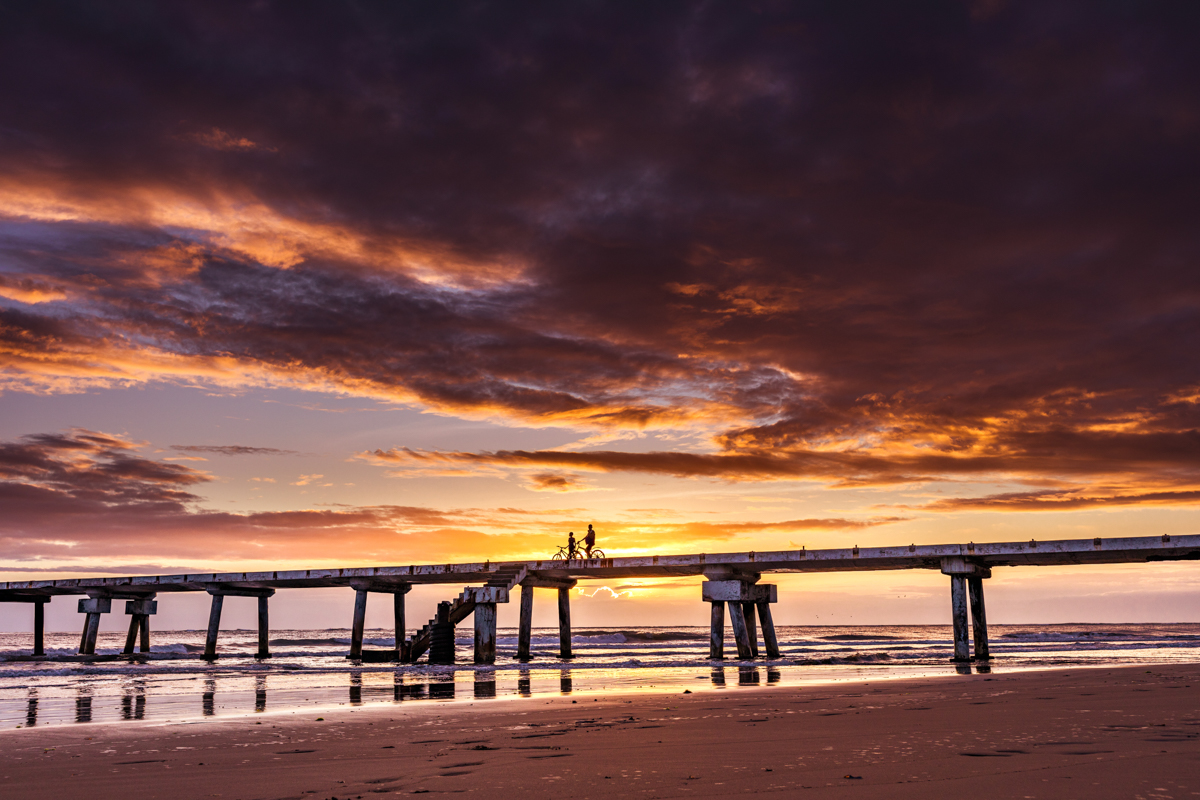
(309, 671)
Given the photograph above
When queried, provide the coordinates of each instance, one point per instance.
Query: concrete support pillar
(360, 620)
(564, 623)
(93, 607)
(39, 628)
(264, 629)
(740, 634)
(716, 636)
(398, 614)
(770, 642)
(963, 571)
(139, 612)
(958, 610)
(525, 626)
(978, 618)
(214, 626)
(485, 633)
(751, 627)
(135, 627)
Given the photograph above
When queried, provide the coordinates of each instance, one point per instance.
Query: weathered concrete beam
(738, 592)
(486, 594)
(228, 590)
(727, 572)
(957, 565)
(381, 586)
(548, 582)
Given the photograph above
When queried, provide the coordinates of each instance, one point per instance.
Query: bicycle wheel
(597, 553)
(557, 556)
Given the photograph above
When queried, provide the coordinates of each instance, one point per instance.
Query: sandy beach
(1124, 732)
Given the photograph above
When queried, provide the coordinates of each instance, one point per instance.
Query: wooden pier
(731, 582)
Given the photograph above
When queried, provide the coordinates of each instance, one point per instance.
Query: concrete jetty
(730, 583)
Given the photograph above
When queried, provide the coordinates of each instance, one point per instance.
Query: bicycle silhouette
(577, 554)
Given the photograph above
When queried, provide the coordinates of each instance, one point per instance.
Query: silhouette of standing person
(589, 541)
(572, 552)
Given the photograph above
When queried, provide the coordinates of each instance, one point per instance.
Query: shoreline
(1076, 731)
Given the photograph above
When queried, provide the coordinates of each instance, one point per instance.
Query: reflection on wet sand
(133, 702)
(83, 704)
(442, 689)
(207, 699)
(363, 686)
(485, 684)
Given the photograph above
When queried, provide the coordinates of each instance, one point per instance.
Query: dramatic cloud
(232, 450)
(80, 496)
(863, 246)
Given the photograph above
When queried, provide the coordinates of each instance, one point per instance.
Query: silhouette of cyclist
(589, 541)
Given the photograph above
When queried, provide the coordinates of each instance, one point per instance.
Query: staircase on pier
(496, 590)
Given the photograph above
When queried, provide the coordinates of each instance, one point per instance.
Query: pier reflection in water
(133, 701)
(83, 704)
(485, 684)
(242, 693)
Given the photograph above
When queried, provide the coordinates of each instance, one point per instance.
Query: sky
(289, 285)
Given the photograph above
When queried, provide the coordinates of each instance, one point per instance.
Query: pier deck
(730, 579)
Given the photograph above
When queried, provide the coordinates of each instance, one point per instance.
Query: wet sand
(1116, 732)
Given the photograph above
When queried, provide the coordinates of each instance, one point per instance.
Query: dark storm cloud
(872, 242)
(232, 450)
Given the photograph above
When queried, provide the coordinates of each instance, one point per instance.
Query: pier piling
(747, 601)
(264, 629)
(716, 636)
(978, 618)
(360, 620)
(958, 611)
(39, 626)
(214, 626)
(398, 614)
(748, 610)
(564, 623)
(961, 571)
(741, 635)
(525, 625)
(770, 642)
(139, 612)
(93, 607)
(485, 633)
